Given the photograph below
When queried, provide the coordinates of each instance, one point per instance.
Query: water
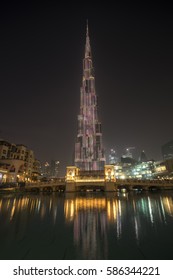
(86, 226)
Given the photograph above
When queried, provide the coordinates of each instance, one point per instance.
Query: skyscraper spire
(87, 45)
(87, 32)
(89, 153)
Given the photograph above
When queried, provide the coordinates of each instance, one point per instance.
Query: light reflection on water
(86, 226)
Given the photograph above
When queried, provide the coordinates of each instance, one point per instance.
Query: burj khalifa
(89, 152)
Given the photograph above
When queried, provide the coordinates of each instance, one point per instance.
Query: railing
(89, 179)
(143, 182)
(44, 184)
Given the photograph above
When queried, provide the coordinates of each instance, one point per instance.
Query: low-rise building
(19, 162)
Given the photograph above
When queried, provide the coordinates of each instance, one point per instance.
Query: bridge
(135, 184)
(100, 185)
(58, 185)
(97, 181)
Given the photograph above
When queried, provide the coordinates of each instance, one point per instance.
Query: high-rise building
(113, 159)
(143, 157)
(89, 153)
(128, 152)
(167, 150)
(54, 168)
(46, 169)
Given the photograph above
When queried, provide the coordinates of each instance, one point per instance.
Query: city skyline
(41, 54)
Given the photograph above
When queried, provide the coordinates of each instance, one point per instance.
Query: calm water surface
(86, 226)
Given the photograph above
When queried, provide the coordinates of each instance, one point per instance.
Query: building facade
(113, 159)
(50, 170)
(19, 162)
(167, 150)
(89, 153)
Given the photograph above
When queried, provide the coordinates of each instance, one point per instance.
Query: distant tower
(54, 168)
(46, 169)
(113, 159)
(167, 150)
(143, 157)
(89, 153)
(128, 153)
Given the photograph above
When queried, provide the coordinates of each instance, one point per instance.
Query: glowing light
(150, 210)
(89, 180)
(13, 209)
(168, 205)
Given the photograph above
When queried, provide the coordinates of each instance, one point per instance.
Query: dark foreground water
(86, 226)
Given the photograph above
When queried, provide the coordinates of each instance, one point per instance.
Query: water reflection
(88, 226)
(92, 218)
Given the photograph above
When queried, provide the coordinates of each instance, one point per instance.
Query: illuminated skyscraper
(113, 159)
(89, 153)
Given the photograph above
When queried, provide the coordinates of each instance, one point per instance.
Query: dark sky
(41, 52)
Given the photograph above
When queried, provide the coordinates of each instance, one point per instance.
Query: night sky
(41, 52)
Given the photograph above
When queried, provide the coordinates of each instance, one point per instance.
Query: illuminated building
(19, 161)
(113, 159)
(160, 169)
(3, 172)
(50, 170)
(54, 168)
(46, 169)
(144, 170)
(89, 153)
(164, 169)
(119, 171)
(127, 157)
(128, 153)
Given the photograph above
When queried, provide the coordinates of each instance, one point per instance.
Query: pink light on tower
(89, 153)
